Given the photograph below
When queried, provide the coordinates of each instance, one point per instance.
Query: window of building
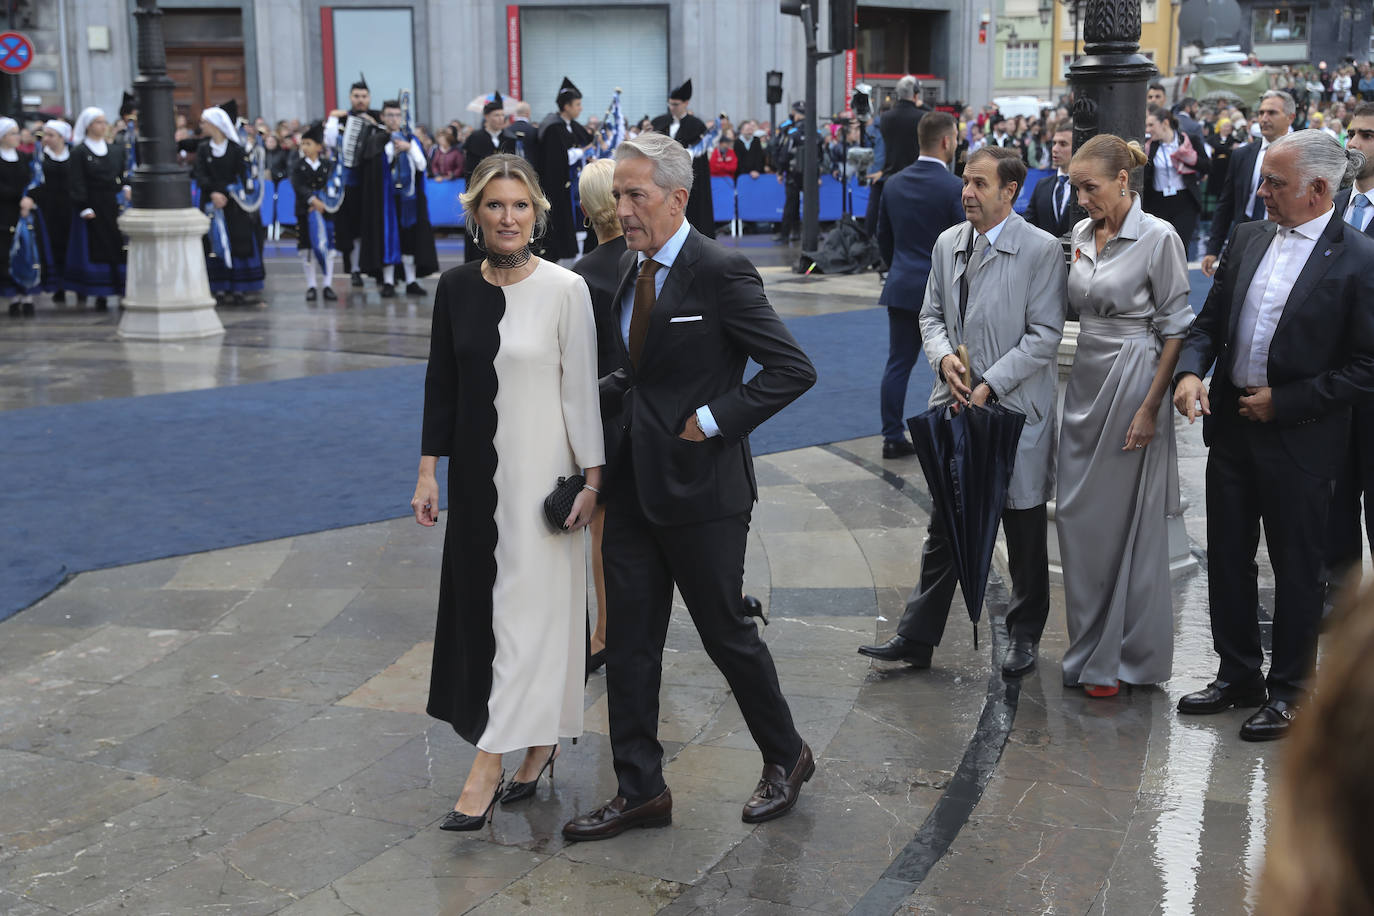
(899, 41)
(358, 33)
(1021, 60)
(1271, 25)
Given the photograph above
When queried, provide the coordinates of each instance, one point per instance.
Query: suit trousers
(1028, 557)
(1251, 479)
(903, 349)
(875, 198)
(1345, 540)
(791, 206)
(642, 561)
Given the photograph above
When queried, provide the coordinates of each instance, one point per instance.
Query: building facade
(296, 58)
(1287, 32)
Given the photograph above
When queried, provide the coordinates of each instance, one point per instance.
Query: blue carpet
(124, 480)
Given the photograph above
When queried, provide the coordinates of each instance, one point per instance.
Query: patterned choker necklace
(510, 261)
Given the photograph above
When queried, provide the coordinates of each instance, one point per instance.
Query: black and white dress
(511, 397)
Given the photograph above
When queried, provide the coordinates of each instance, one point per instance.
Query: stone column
(1108, 84)
(168, 292)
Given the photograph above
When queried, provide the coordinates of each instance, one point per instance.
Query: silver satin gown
(1112, 504)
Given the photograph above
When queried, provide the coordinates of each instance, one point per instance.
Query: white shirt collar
(995, 231)
(9, 155)
(57, 157)
(313, 163)
(1313, 228)
(219, 148)
(940, 162)
(671, 248)
(99, 147)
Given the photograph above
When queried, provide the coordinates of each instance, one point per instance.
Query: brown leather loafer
(613, 818)
(777, 791)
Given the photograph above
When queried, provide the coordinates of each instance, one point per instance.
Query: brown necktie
(644, 304)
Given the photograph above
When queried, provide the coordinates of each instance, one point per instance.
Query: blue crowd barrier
(722, 199)
(1033, 177)
(759, 200)
(445, 209)
(286, 204)
(858, 194)
(268, 211)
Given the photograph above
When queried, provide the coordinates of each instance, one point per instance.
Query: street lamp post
(167, 292)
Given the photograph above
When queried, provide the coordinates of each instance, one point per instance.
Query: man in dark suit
(1051, 203)
(1238, 202)
(1345, 544)
(901, 142)
(1288, 327)
(680, 484)
(921, 201)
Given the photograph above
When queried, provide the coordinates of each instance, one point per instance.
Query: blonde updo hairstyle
(594, 190)
(1110, 156)
(503, 165)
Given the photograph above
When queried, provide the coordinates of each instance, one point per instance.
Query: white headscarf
(61, 128)
(83, 122)
(7, 125)
(220, 118)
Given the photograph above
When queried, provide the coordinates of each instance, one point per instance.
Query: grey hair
(1321, 156)
(1290, 107)
(672, 162)
(906, 87)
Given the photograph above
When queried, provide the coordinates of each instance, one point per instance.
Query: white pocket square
(681, 318)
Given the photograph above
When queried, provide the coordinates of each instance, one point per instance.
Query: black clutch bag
(558, 504)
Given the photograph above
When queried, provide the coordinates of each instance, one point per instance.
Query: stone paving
(242, 731)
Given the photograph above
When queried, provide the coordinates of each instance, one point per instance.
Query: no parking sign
(16, 52)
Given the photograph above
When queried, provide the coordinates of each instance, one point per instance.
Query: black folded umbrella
(967, 459)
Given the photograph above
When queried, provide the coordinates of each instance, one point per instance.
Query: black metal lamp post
(1109, 80)
(160, 181)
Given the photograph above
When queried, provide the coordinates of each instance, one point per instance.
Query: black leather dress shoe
(329, 294)
(414, 289)
(1271, 722)
(311, 294)
(1220, 696)
(388, 291)
(901, 649)
(356, 280)
(1020, 657)
(898, 448)
(777, 791)
(614, 818)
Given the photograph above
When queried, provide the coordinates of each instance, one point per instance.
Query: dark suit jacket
(753, 156)
(690, 363)
(898, 127)
(1321, 359)
(476, 147)
(1190, 182)
(1235, 194)
(918, 203)
(1040, 212)
(600, 268)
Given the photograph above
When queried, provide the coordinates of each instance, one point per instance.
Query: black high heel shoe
(519, 791)
(457, 820)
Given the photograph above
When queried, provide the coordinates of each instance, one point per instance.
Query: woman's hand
(26, 205)
(1142, 429)
(583, 508)
(218, 199)
(425, 502)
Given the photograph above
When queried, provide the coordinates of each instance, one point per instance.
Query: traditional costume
(233, 259)
(16, 176)
(309, 179)
(395, 224)
(348, 221)
(693, 134)
(562, 143)
(54, 201)
(479, 145)
(96, 252)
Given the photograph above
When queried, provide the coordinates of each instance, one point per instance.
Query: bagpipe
(27, 249)
(402, 170)
(248, 192)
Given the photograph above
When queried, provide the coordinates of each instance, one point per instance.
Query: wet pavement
(242, 731)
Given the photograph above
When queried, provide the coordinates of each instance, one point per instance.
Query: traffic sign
(16, 52)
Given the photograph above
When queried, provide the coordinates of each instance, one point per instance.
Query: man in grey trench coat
(1011, 316)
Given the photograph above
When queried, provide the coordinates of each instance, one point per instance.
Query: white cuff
(85, 211)
(707, 422)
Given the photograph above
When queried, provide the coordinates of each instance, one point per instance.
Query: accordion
(356, 131)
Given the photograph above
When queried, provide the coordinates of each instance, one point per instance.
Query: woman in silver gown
(1129, 282)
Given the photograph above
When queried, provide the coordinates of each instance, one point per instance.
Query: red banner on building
(513, 49)
(849, 81)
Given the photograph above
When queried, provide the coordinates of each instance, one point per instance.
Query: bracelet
(587, 486)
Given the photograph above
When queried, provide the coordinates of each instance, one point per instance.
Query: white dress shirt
(1268, 294)
(1167, 179)
(940, 162)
